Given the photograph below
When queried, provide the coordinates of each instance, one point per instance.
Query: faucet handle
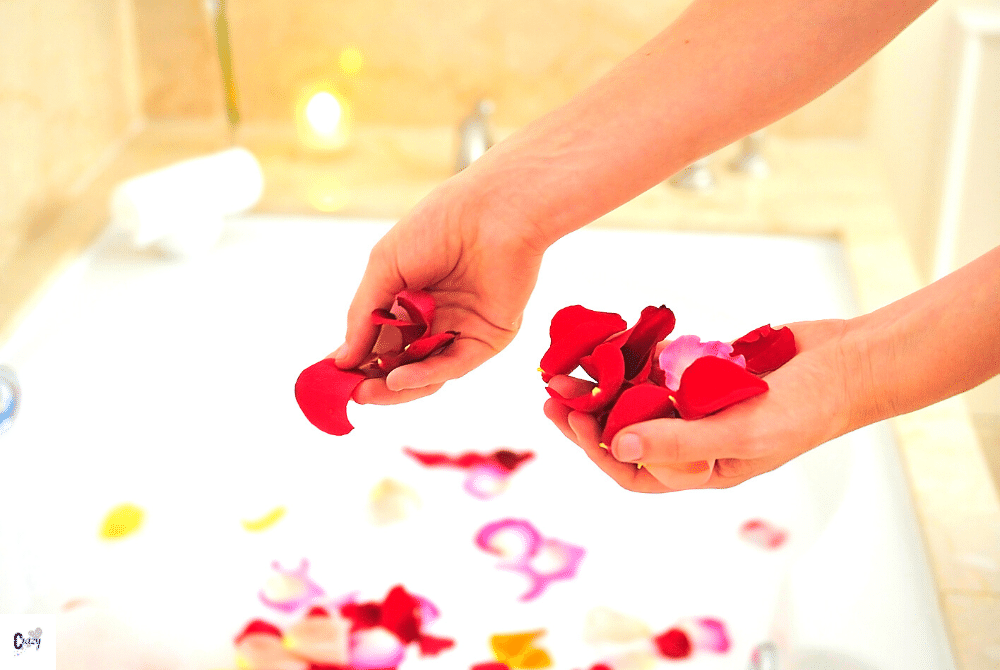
(751, 160)
(695, 177)
(475, 136)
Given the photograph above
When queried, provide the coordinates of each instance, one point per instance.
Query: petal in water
(604, 625)
(673, 643)
(320, 637)
(708, 634)
(518, 650)
(763, 534)
(391, 501)
(375, 649)
(486, 481)
(290, 590)
(515, 540)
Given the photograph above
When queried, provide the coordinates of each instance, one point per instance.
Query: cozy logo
(24, 642)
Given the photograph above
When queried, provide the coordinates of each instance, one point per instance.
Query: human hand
(812, 399)
(478, 262)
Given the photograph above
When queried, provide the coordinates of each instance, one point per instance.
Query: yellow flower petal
(264, 522)
(121, 521)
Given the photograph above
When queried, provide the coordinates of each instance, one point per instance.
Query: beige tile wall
(424, 63)
(66, 97)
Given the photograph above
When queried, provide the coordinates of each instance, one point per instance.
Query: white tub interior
(168, 384)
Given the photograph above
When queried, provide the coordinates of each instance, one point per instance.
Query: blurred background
(353, 108)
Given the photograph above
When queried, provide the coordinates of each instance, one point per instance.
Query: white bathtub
(168, 384)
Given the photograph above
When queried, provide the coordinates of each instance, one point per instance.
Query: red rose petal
(399, 614)
(429, 645)
(258, 626)
(362, 616)
(673, 644)
(766, 349)
(638, 403)
(490, 665)
(417, 350)
(637, 343)
(711, 383)
(574, 332)
(607, 366)
(503, 458)
(322, 391)
(419, 305)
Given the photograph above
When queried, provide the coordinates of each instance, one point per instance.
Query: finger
(570, 387)
(674, 441)
(375, 392)
(558, 413)
(462, 356)
(681, 476)
(378, 288)
(627, 475)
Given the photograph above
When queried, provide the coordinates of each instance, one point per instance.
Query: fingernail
(628, 448)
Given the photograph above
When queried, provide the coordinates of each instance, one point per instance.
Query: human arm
(722, 70)
(930, 345)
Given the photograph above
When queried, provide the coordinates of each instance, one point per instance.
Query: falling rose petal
(517, 650)
(512, 539)
(763, 534)
(486, 481)
(673, 643)
(322, 391)
(607, 366)
(574, 332)
(604, 625)
(319, 638)
(685, 350)
(391, 501)
(710, 384)
(290, 590)
(375, 649)
(708, 634)
(638, 343)
(766, 349)
(637, 404)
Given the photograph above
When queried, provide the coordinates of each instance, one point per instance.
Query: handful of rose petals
(322, 389)
(689, 379)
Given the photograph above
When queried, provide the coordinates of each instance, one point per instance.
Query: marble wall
(67, 95)
(417, 63)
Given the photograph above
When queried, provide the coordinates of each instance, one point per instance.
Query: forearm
(931, 345)
(724, 69)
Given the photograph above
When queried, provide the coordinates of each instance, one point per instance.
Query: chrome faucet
(10, 398)
(751, 161)
(474, 135)
(695, 177)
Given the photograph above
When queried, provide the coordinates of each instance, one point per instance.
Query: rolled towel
(180, 208)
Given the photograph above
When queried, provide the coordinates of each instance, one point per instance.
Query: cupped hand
(812, 399)
(479, 262)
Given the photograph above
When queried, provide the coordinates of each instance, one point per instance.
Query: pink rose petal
(304, 589)
(685, 350)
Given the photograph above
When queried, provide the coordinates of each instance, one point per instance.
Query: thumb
(378, 289)
(680, 454)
